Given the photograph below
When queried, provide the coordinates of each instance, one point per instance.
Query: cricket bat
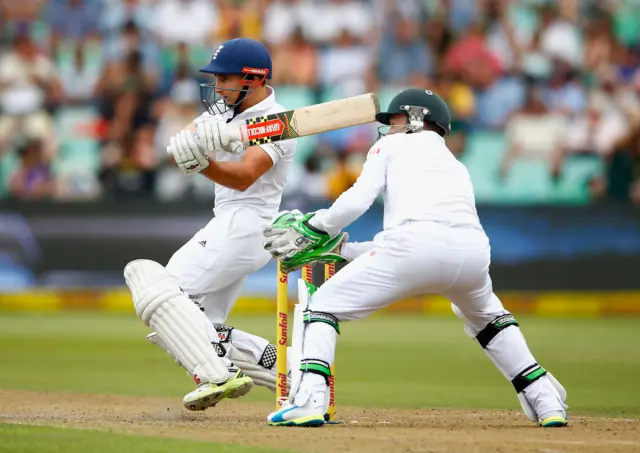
(303, 121)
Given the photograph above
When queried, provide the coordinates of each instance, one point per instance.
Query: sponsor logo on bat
(265, 129)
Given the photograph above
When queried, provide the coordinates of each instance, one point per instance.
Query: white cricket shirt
(420, 179)
(266, 193)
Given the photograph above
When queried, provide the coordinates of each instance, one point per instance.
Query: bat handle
(237, 133)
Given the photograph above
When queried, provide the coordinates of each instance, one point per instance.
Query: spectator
(194, 22)
(581, 58)
(560, 38)
(281, 21)
(616, 97)
(131, 39)
(600, 45)
(462, 13)
(496, 97)
(534, 133)
(404, 57)
(128, 166)
(504, 40)
(73, 20)
(533, 62)
(307, 186)
(564, 93)
(622, 177)
(28, 86)
(344, 66)
(32, 179)
(461, 101)
(240, 18)
(79, 79)
(628, 65)
(128, 94)
(296, 61)
(324, 22)
(438, 38)
(471, 50)
(117, 13)
(594, 131)
(341, 176)
(17, 15)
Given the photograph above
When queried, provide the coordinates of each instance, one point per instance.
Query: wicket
(282, 308)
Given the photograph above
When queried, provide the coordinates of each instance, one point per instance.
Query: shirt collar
(268, 103)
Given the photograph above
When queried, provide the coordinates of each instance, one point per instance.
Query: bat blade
(313, 119)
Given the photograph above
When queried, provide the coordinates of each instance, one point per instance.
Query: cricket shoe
(209, 394)
(553, 420)
(308, 413)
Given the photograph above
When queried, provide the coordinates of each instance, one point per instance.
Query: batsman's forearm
(233, 175)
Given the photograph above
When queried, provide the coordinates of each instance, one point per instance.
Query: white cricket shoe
(209, 394)
(307, 414)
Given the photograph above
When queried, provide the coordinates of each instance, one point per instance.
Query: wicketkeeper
(432, 243)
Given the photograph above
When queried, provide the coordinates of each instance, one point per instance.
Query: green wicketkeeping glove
(290, 234)
(327, 253)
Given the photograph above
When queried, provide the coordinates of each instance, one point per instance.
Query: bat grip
(236, 133)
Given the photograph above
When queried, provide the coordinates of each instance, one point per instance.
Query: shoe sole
(312, 421)
(553, 422)
(239, 390)
(220, 393)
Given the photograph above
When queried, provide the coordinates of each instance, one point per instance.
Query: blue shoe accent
(277, 419)
(278, 416)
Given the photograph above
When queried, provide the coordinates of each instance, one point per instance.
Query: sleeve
(278, 151)
(355, 201)
(351, 250)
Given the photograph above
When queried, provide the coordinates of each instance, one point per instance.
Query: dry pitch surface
(365, 430)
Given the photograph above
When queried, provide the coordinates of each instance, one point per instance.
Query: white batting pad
(161, 305)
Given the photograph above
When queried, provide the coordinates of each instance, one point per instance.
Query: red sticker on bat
(269, 128)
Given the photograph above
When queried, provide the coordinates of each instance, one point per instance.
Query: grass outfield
(392, 361)
(41, 439)
(403, 364)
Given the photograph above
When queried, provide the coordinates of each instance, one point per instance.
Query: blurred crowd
(91, 90)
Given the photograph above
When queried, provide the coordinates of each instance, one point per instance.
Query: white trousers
(214, 264)
(425, 258)
(418, 258)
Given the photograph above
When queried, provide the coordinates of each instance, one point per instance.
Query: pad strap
(527, 377)
(316, 366)
(487, 334)
(320, 316)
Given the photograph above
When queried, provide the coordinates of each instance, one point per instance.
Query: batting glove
(215, 135)
(188, 154)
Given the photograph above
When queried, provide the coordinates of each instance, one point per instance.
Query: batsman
(432, 243)
(186, 302)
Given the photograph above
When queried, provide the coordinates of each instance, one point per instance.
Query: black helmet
(419, 106)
